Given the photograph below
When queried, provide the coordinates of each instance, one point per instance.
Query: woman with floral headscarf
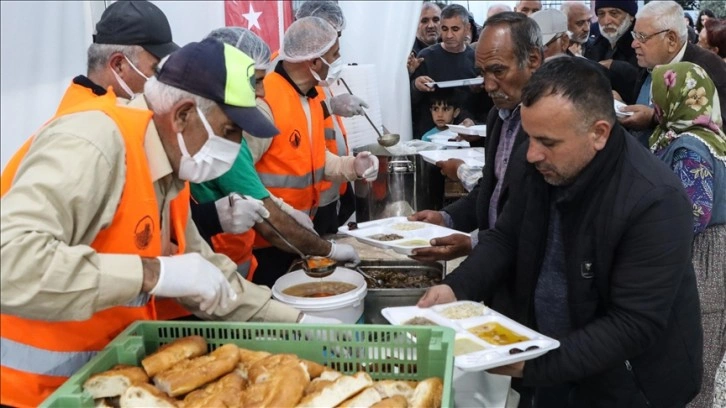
(689, 138)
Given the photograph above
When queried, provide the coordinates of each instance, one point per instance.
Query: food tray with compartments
(383, 351)
(484, 338)
(475, 130)
(397, 233)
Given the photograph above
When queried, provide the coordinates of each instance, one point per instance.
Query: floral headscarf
(685, 101)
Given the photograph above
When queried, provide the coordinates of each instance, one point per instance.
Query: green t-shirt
(242, 178)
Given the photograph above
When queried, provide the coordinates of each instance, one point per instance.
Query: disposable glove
(366, 166)
(310, 319)
(299, 216)
(192, 276)
(347, 105)
(237, 214)
(343, 253)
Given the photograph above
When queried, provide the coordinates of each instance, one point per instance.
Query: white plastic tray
(444, 139)
(490, 355)
(471, 156)
(418, 236)
(457, 82)
(619, 105)
(475, 130)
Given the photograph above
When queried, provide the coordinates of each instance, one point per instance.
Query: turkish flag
(267, 18)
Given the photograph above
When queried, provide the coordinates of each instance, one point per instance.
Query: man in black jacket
(509, 51)
(593, 249)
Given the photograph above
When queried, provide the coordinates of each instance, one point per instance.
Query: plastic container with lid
(346, 307)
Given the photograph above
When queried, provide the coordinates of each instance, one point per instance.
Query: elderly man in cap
(616, 19)
(662, 38)
(90, 232)
(553, 24)
(296, 165)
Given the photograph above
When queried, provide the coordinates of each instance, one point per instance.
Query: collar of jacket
(599, 169)
(312, 93)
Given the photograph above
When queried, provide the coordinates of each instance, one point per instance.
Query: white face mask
(211, 161)
(123, 83)
(334, 71)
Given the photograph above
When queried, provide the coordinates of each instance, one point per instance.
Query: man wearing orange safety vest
(131, 38)
(217, 217)
(337, 203)
(86, 223)
(296, 165)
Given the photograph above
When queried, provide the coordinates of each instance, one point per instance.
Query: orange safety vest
(167, 309)
(293, 168)
(330, 141)
(38, 356)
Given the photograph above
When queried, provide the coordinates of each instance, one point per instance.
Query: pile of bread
(184, 375)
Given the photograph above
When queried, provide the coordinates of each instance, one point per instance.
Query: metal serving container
(378, 298)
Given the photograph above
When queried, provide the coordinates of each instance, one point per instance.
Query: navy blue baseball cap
(140, 23)
(222, 73)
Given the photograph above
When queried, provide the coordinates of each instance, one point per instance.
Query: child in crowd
(445, 107)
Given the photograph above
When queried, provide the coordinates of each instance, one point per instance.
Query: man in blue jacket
(593, 249)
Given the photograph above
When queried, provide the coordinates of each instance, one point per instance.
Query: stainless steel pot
(405, 184)
(378, 298)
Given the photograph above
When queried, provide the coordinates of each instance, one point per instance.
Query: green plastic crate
(385, 352)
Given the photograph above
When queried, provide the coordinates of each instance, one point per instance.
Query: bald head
(497, 8)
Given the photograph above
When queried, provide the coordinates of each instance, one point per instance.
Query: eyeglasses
(643, 38)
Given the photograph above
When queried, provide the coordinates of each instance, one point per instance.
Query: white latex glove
(299, 216)
(192, 276)
(241, 214)
(310, 319)
(347, 105)
(343, 253)
(366, 166)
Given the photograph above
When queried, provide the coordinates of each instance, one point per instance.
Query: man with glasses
(660, 37)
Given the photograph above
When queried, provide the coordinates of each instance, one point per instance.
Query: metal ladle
(386, 139)
(354, 265)
(313, 272)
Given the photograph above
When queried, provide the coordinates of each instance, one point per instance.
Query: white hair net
(306, 39)
(327, 10)
(245, 41)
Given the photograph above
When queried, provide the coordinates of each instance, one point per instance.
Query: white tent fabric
(44, 46)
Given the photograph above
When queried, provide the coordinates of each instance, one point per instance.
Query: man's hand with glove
(343, 253)
(366, 166)
(237, 214)
(347, 105)
(192, 276)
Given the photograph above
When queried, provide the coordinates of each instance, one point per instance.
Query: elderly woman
(690, 140)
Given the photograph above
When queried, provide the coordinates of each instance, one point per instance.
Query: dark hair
(567, 76)
(455, 10)
(526, 35)
(474, 29)
(689, 18)
(716, 35)
(446, 97)
(699, 24)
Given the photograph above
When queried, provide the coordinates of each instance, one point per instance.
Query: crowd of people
(579, 239)
(145, 195)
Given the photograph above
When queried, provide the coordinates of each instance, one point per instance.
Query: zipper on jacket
(637, 382)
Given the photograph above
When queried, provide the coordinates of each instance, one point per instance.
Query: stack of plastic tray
(385, 352)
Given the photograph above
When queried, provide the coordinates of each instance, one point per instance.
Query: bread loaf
(390, 388)
(363, 399)
(341, 389)
(247, 358)
(146, 396)
(191, 374)
(222, 393)
(314, 369)
(326, 378)
(170, 354)
(397, 401)
(279, 383)
(115, 381)
(427, 394)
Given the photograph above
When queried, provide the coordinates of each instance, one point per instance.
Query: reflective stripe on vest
(49, 351)
(290, 181)
(35, 360)
(244, 269)
(329, 134)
